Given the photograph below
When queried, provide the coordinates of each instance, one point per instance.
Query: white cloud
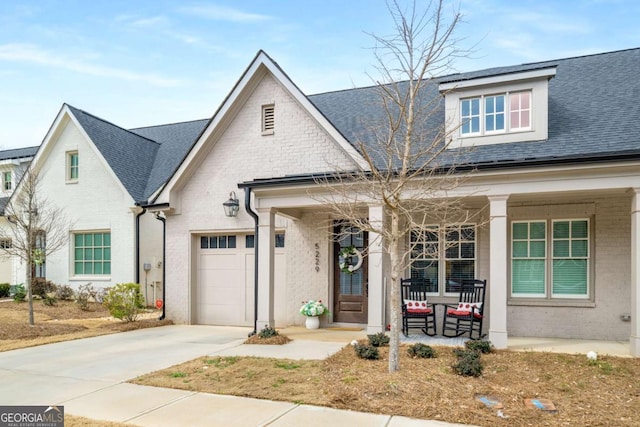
(221, 13)
(29, 53)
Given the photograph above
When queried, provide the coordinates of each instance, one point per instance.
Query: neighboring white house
(557, 172)
(13, 163)
(98, 174)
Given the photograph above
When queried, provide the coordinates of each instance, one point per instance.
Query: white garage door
(224, 290)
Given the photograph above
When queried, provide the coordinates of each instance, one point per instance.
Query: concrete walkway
(89, 377)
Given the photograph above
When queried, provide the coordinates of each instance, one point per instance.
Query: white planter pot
(312, 322)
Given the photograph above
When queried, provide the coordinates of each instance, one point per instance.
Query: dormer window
(497, 109)
(488, 114)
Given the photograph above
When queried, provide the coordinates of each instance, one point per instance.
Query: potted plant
(312, 309)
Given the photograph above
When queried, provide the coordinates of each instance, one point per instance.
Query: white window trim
(268, 119)
(5, 182)
(72, 257)
(507, 115)
(68, 155)
(549, 298)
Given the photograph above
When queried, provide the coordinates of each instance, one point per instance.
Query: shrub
(422, 350)
(124, 301)
(65, 293)
(40, 287)
(49, 300)
(19, 293)
(86, 294)
(468, 364)
(268, 332)
(481, 346)
(4, 290)
(367, 352)
(378, 340)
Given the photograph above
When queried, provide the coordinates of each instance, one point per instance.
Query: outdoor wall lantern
(231, 206)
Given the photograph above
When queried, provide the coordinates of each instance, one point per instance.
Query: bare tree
(36, 229)
(409, 170)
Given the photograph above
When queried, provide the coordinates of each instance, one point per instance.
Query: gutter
(137, 268)
(254, 215)
(164, 259)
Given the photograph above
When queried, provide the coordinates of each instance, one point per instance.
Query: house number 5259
(317, 255)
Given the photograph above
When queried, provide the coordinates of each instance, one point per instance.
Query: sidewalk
(89, 377)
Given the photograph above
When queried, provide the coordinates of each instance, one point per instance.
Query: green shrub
(4, 290)
(481, 346)
(124, 301)
(422, 350)
(40, 287)
(49, 300)
(378, 340)
(65, 293)
(367, 352)
(268, 332)
(19, 293)
(468, 364)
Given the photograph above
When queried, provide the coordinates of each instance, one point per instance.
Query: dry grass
(603, 393)
(73, 421)
(62, 322)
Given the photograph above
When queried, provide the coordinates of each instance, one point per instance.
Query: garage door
(224, 290)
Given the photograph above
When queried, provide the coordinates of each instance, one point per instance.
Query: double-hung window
(6, 181)
(72, 166)
(444, 255)
(496, 113)
(550, 259)
(92, 253)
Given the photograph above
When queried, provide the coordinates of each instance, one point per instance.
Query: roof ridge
(110, 123)
(168, 124)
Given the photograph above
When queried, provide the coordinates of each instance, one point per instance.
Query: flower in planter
(313, 308)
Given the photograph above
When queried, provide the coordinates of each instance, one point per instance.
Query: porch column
(634, 340)
(266, 239)
(498, 270)
(376, 298)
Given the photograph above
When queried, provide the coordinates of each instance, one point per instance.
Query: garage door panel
(219, 261)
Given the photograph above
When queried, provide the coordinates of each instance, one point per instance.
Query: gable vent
(268, 119)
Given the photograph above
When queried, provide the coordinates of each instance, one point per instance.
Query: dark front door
(350, 281)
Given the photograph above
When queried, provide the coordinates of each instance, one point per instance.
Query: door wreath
(346, 257)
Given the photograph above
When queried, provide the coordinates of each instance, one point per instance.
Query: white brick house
(557, 172)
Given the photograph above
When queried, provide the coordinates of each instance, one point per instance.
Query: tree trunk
(29, 291)
(394, 300)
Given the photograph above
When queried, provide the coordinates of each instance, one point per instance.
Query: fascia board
(503, 78)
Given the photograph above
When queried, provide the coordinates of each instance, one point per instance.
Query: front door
(350, 281)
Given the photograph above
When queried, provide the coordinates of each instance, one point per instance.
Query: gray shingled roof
(18, 153)
(593, 110)
(144, 158)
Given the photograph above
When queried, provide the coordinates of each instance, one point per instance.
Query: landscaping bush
(421, 350)
(19, 293)
(86, 294)
(125, 301)
(4, 290)
(378, 340)
(481, 346)
(40, 287)
(468, 364)
(268, 332)
(49, 300)
(65, 293)
(367, 352)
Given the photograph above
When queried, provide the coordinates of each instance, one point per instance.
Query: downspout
(144, 210)
(164, 259)
(254, 215)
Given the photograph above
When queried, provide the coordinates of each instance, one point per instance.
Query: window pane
(106, 268)
(88, 254)
(280, 240)
(579, 248)
(466, 108)
(488, 125)
(88, 268)
(475, 124)
(561, 230)
(107, 254)
(213, 242)
(231, 242)
(515, 120)
(489, 104)
(79, 254)
(520, 249)
(560, 248)
(475, 106)
(452, 252)
(537, 249)
(79, 240)
(106, 239)
(527, 277)
(97, 254)
(525, 100)
(520, 230)
(97, 239)
(467, 250)
(249, 241)
(579, 229)
(97, 268)
(500, 122)
(538, 230)
(525, 123)
(466, 127)
(458, 271)
(88, 239)
(78, 268)
(204, 242)
(500, 104)
(570, 277)
(222, 242)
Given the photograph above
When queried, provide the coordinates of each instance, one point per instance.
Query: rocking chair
(416, 311)
(467, 315)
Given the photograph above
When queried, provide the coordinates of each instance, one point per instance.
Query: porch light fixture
(231, 206)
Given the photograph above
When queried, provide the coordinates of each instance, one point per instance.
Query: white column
(265, 251)
(376, 298)
(634, 340)
(497, 283)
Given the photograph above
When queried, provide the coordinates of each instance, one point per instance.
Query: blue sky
(146, 62)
